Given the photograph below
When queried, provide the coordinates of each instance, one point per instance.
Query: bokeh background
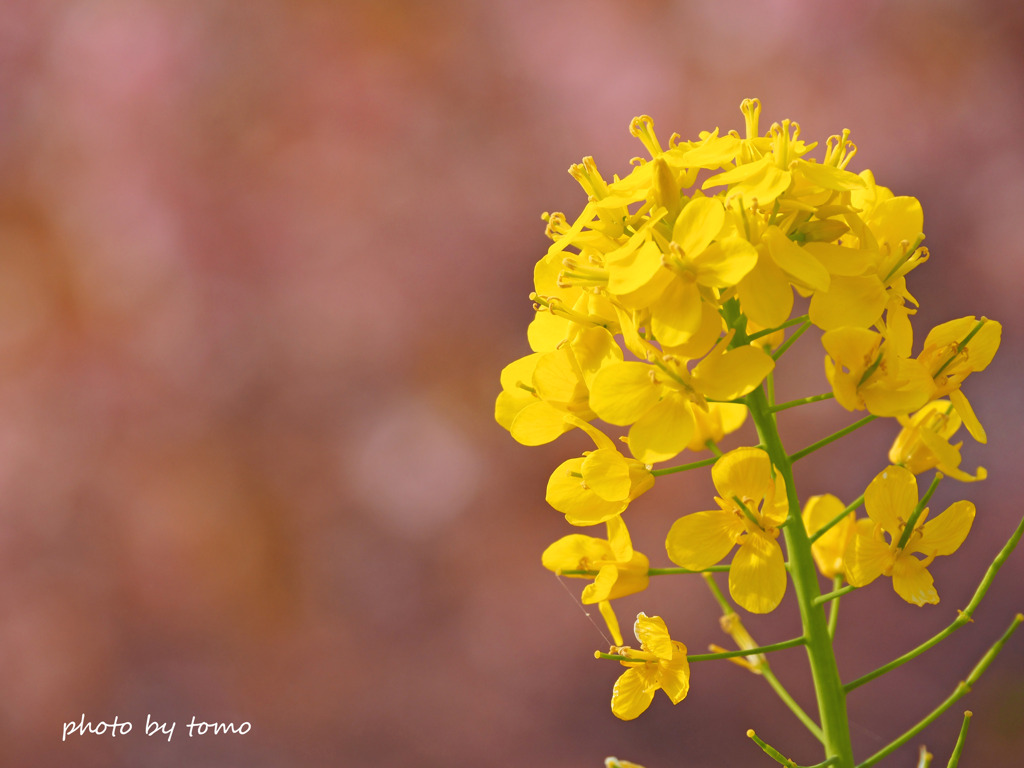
(260, 266)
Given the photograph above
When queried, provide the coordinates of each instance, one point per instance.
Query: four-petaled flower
(752, 505)
(660, 663)
(891, 501)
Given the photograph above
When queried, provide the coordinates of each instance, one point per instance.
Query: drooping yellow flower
(924, 442)
(829, 550)
(619, 569)
(660, 663)
(599, 485)
(890, 501)
(952, 352)
(752, 505)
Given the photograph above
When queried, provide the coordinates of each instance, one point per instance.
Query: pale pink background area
(260, 266)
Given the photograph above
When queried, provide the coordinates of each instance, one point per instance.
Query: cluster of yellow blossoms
(666, 302)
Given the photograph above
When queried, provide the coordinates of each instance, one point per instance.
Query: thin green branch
(833, 609)
(961, 690)
(684, 467)
(719, 596)
(650, 571)
(831, 438)
(769, 331)
(713, 656)
(912, 521)
(784, 346)
(676, 571)
(837, 519)
(963, 617)
(780, 758)
(748, 651)
(771, 751)
(834, 595)
(802, 401)
(790, 702)
(954, 759)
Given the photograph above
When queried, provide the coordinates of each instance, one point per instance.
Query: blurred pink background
(260, 266)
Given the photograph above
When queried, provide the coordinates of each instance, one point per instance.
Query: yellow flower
(830, 548)
(660, 663)
(599, 485)
(924, 442)
(752, 504)
(540, 392)
(620, 570)
(890, 501)
(866, 372)
(953, 351)
(658, 400)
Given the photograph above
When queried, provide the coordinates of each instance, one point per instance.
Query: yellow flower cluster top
(666, 301)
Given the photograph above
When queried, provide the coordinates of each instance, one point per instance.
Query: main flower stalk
(827, 685)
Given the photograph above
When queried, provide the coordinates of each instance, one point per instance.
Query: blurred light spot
(413, 468)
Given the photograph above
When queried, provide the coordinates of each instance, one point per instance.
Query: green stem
(837, 519)
(829, 690)
(833, 609)
(769, 331)
(675, 571)
(954, 759)
(831, 438)
(790, 341)
(835, 594)
(909, 527)
(802, 401)
(684, 467)
(747, 651)
(963, 617)
(761, 666)
(650, 571)
(961, 690)
(771, 751)
(715, 656)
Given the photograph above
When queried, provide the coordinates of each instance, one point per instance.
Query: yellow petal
(663, 431)
(732, 375)
(725, 262)
(606, 472)
(843, 261)
(890, 498)
(581, 506)
(765, 293)
(744, 472)
(698, 224)
(620, 393)
(867, 556)
(757, 575)
(538, 423)
(701, 539)
(944, 533)
(633, 693)
(912, 581)
(801, 267)
(611, 620)
(966, 412)
(853, 301)
(675, 674)
(653, 635)
(677, 314)
(830, 549)
(569, 552)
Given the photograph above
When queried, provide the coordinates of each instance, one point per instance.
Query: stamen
(643, 128)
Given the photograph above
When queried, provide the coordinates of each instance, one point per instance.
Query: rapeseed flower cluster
(664, 306)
